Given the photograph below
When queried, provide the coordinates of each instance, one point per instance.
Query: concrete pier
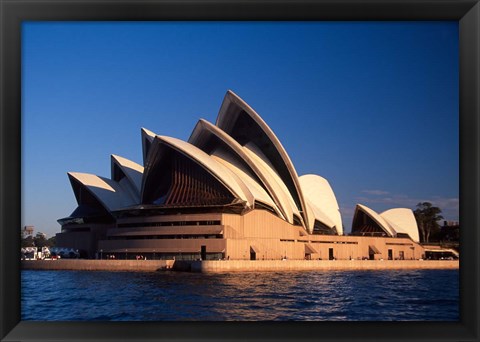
(320, 265)
(212, 266)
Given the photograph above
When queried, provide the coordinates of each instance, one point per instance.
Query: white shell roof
(132, 170)
(108, 192)
(402, 220)
(319, 215)
(222, 121)
(215, 168)
(377, 218)
(321, 197)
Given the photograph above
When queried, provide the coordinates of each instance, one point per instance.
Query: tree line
(428, 217)
(38, 240)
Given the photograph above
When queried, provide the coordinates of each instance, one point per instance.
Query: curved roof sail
(403, 221)
(379, 220)
(284, 197)
(242, 123)
(129, 172)
(319, 215)
(210, 138)
(108, 192)
(320, 195)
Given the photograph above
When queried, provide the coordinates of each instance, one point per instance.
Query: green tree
(28, 242)
(40, 240)
(427, 217)
(51, 242)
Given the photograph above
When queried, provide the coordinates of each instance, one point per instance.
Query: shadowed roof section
(147, 139)
(242, 123)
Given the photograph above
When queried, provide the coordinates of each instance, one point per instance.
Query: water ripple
(310, 296)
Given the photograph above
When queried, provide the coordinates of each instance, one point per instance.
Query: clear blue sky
(370, 106)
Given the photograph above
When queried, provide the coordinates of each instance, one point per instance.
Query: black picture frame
(13, 12)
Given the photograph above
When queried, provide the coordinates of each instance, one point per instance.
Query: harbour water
(384, 295)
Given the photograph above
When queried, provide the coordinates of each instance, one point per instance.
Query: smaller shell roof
(376, 217)
(403, 221)
(108, 192)
(321, 197)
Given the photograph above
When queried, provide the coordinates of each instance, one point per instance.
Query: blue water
(308, 296)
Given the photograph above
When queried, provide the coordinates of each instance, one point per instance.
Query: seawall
(324, 265)
(212, 266)
(98, 265)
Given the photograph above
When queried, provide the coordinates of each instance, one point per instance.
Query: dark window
(263, 206)
(330, 254)
(296, 220)
(321, 229)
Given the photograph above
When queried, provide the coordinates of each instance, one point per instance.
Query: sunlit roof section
(128, 172)
(108, 192)
(320, 195)
(319, 215)
(402, 221)
(235, 166)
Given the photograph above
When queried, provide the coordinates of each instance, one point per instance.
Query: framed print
(107, 131)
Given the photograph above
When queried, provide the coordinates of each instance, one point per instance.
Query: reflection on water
(326, 295)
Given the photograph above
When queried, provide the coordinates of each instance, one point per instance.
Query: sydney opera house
(229, 192)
